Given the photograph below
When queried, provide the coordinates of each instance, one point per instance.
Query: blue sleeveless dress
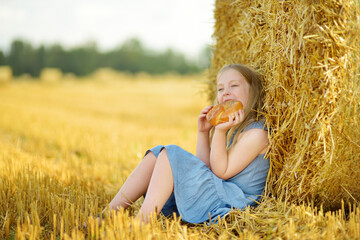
(199, 195)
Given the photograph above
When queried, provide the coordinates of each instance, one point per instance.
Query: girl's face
(232, 85)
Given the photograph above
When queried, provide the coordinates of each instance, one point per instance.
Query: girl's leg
(136, 184)
(160, 188)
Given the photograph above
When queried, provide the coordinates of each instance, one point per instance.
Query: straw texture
(308, 52)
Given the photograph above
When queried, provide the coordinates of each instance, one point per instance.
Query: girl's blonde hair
(254, 105)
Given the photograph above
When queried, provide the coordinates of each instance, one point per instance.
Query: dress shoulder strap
(257, 124)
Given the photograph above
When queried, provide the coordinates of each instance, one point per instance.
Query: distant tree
(82, 60)
(22, 58)
(2, 58)
(14, 57)
(40, 60)
(173, 61)
(131, 56)
(205, 57)
(55, 57)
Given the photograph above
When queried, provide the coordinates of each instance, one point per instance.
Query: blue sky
(185, 25)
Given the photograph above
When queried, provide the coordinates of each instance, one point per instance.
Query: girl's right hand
(203, 124)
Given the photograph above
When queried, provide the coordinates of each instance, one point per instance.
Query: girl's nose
(226, 91)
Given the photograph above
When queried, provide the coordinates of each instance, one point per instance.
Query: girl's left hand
(234, 120)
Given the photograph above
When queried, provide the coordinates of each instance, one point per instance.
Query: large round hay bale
(308, 52)
(5, 74)
(51, 75)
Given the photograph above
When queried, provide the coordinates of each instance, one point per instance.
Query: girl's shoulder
(252, 130)
(251, 136)
(252, 125)
(256, 124)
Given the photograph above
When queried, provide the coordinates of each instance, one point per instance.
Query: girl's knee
(149, 156)
(162, 153)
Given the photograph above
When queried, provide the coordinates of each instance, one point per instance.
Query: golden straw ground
(67, 147)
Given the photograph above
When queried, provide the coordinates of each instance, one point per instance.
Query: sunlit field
(66, 148)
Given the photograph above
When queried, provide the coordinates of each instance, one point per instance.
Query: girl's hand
(234, 119)
(203, 124)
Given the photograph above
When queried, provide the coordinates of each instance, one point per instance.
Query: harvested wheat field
(67, 147)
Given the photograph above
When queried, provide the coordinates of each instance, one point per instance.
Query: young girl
(228, 171)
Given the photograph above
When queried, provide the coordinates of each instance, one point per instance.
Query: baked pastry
(221, 112)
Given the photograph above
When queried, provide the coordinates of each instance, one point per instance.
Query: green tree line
(131, 56)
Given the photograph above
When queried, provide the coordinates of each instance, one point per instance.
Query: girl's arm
(202, 145)
(227, 164)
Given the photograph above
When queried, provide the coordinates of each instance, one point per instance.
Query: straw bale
(24, 77)
(308, 53)
(109, 74)
(69, 76)
(5, 74)
(105, 74)
(143, 76)
(51, 75)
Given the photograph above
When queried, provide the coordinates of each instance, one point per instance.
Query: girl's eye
(235, 85)
(220, 89)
